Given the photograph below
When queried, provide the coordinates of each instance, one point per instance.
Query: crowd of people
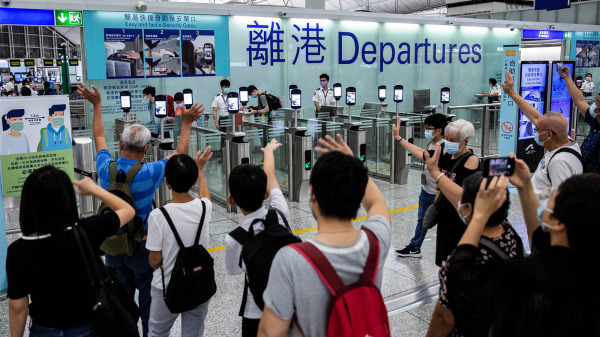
(329, 285)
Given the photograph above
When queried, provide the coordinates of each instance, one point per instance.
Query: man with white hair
(134, 271)
(562, 158)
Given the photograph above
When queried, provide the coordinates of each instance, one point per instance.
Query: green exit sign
(362, 158)
(568, 35)
(68, 18)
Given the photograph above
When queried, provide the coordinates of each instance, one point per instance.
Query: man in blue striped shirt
(134, 271)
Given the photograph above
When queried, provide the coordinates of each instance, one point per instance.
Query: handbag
(430, 219)
(114, 313)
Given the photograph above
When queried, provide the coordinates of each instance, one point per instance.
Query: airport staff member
(588, 86)
(323, 95)
(219, 105)
(10, 86)
(495, 91)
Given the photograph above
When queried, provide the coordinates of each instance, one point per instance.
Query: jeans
(135, 272)
(42, 331)
(161, 318)
(425, 200)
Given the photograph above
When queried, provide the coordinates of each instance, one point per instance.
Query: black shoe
(409, 251)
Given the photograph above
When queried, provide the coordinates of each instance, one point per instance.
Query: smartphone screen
(208, 53)
(351, 97)
(161, 108)
(337, 91)
(499, 167)
(382, 93)
(160, 69)
(445, 96)
(398, 95)
(559, 67)
(233, 104)
(296, 102)
(188, 99)
(243, 95)
(126, 102)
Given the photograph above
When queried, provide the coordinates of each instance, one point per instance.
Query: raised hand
(272, 146)
(489, 199)
(202, 157)
(328, 144)
(433, 161)
(509, 85)
(85, 186)
(396, 129)
(92, 96)
(190, 115)
(522, 175)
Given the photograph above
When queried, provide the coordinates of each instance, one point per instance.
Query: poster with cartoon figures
(35, 132)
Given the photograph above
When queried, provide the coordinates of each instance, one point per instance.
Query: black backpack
(571, 151)
(274, 102)
(258, 252)
(193, 278)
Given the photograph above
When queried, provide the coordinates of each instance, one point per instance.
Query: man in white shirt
(588, 86)
(249, 187)
(10, 86)
(562, 158)
(186, 212)
(324, 94)
(219, 105)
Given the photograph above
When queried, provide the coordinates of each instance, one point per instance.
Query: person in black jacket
(546, 293)
(45, 271)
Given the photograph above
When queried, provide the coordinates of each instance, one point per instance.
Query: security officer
(323, 95)
(588, 86)
(219, 105)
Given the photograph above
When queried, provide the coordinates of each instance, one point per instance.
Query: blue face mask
(254, 96)
(536, 137)
(429, 134)
(592, 110)
(543, 207)
(225, 91)
(462, 218)
(452, 148)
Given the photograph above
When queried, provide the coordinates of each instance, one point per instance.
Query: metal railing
(485, 122)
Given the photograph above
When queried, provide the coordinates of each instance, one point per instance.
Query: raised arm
(373, 201)
(187, 119)
(201, 159)
(528, 109)
(529, 202)
(576, 94)
(416, 151)
(97, 124)
(269, 164)
(124, 211)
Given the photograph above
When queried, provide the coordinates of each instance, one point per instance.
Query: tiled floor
(400, 274)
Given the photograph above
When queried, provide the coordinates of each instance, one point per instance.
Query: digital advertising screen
(534, 77)
(560, 100)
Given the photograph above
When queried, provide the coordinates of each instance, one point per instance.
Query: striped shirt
(143, 186)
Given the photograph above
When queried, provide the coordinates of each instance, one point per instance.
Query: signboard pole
(65, 72)
(508, 110)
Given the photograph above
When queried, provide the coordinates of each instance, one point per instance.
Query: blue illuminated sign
(28, 17)
(552, 4)
(543, 34)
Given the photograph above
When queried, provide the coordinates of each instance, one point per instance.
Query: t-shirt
(15, 145)
(186, 218)
(590, 149)
(53, 274)
(9, 86)
(295, 288)
(220, 102)
(262, 101)
(429, 186)
(450, 227)
(563, 166)
(233, 249)
(143, 186)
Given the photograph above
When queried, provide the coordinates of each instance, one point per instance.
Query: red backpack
(356, 309)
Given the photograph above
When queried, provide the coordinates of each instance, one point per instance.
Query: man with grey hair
(134, 271)
(563, 156)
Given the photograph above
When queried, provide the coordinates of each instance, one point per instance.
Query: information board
(560, 100)
(533, 88)
(508, 108)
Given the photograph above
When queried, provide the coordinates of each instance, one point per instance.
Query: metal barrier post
(400, 159)
(83, 160)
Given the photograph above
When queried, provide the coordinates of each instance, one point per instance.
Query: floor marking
(305, 230)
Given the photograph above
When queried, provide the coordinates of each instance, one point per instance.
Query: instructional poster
(533, 90)
(35, 132)
(151, 45)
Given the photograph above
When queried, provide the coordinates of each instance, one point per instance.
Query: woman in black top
(551, 292)
(44, 265)
(449, 167)
(458, 313)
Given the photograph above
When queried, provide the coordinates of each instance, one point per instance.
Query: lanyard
(325, 94)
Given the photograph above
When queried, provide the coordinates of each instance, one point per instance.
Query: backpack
(356, 309)
(170, 106)
(258, 252)
(274, 102)
(571, 151)
(590, 150)
(193, 278)
(129, 236)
